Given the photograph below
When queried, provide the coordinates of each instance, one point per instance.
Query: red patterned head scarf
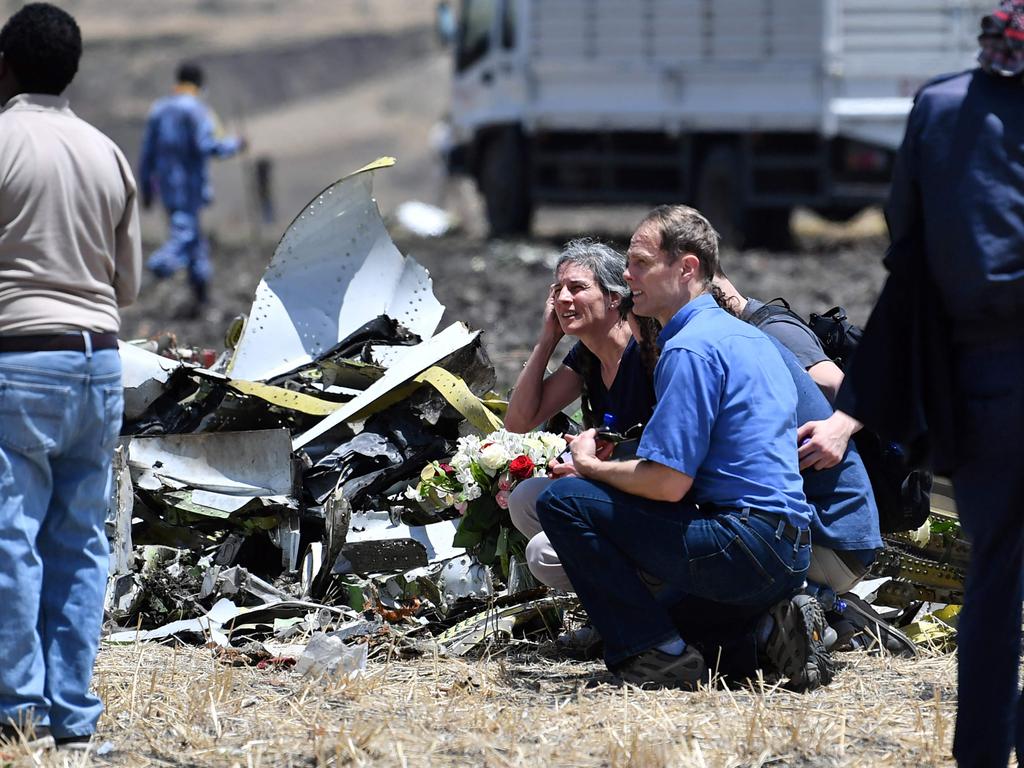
(1002, 40)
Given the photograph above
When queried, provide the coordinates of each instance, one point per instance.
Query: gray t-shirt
(795, 335)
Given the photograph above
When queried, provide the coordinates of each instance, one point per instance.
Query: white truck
(743, 108)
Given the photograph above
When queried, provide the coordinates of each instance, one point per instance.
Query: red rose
(521, 467)
(448, 469)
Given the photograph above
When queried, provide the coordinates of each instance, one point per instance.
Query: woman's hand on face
(551, 328)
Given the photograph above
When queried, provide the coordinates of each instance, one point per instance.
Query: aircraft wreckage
(259, 503)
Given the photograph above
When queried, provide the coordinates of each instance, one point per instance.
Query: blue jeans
(60, 414)
(185, 247)
(740, 567)
(989, 487)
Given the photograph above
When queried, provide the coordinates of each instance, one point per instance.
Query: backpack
(902, 494)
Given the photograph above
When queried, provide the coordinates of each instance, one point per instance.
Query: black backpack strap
(774, 308)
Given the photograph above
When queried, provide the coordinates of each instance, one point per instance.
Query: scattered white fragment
(325, 655)
(423, 219)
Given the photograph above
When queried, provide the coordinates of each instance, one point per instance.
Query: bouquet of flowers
(477, 482)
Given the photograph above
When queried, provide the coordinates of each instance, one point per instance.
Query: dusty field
(178, 707)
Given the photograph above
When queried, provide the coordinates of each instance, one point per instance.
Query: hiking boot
(583, 643)
(795, 647)
(831, 637)
(657, 669)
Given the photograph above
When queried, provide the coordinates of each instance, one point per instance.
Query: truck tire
(504, 184)
(719, 194)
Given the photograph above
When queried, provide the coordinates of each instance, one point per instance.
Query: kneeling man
(714, 505)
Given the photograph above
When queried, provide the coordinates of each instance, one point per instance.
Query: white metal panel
(748, 64)
(249, 463)
(907, 38)
(885, 50)
(334, 269)
(708, 98)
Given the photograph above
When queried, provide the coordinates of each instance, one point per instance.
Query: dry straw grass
(178, 706)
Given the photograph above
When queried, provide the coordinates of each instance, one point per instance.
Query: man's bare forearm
(646, 479)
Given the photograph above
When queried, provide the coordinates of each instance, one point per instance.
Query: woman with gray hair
(584, 302)
(605, 368)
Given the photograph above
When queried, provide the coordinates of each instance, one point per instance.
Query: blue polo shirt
(630, 400)
(726, 414)
(846, 517)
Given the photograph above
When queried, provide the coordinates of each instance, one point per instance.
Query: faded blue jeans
(60, 414)
(735, 568)
(185, 247)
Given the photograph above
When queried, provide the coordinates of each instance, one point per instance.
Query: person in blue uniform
(941, 363)
(181, 136)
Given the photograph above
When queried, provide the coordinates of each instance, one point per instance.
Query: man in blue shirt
(181, 136)
(713, 505)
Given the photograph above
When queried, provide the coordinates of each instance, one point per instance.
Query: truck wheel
(504, 184)
(720, 194)
(769, 228)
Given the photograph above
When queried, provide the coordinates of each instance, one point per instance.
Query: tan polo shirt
(70, 249)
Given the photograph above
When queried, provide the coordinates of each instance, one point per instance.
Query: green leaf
(481, 514)
(482, 478)
(486, 552)
(466, 538)
(502, 552)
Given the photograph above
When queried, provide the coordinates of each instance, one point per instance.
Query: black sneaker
(657, 669)
(795, 648)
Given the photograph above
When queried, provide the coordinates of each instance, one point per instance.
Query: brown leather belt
(57, 342)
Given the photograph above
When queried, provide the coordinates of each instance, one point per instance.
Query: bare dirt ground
(323, 88)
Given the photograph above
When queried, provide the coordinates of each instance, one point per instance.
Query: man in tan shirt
(69, 257)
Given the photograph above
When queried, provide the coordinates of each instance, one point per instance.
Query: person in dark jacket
(941, 364)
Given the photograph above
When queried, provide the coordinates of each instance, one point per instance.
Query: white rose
(554, 444)
(533, 444)
(493, 458)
